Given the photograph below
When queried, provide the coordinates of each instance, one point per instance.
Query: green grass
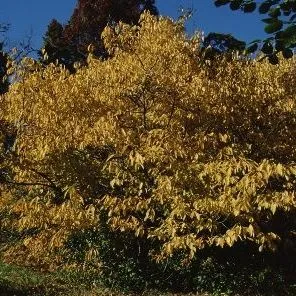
(22, 281)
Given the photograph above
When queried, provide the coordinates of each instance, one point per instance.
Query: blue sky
(31, 17)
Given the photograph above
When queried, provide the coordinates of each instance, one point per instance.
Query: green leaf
(273, 59)
(264, 7)
(219, 3)
(279, 35)
(249, 7)
(288, 36)
(287, 53)
(274, 26)
(279, 45)
(235, 4)
(274, 12)
(269, 20)
(267, 48)
(289, 31)
(285, 6)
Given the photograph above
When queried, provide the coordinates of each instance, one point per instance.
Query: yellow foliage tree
(173, 149)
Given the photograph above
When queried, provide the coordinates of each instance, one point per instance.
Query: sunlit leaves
(167, 148)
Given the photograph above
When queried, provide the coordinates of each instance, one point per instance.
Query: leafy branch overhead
(280, 23)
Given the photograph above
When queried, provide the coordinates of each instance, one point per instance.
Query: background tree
(216, 44)
(69, 44)
(3, 62)
(280, 23)
(3, 70)
(54, 44)
(223, 42)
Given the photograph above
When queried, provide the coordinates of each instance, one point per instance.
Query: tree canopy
(155, 145)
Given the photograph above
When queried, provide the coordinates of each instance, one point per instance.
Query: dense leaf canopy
(171, 149)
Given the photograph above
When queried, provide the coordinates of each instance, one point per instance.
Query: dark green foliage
(287, 53)
(273, 26)
(264, 7)
(240, 270)
(275, 12)
(267, 48)
(273, 59)
(236, 4)
(219, 273)
(4, 83)
(241, 275)
(232, 271)
(280, 24)
(56, 47)
(221, 2)
(216, 44)
(252, 48)
(223, 42)
(124, 259)
(249, 7)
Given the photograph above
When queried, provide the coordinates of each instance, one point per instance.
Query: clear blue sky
(31, 17)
